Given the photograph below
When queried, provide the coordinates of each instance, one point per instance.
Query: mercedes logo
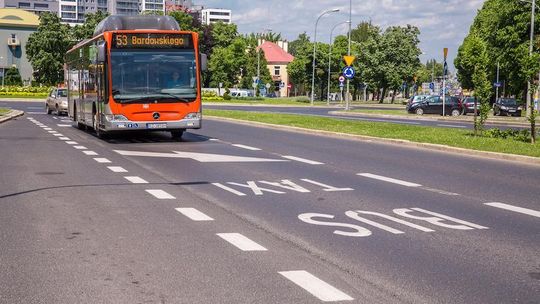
(156, 115)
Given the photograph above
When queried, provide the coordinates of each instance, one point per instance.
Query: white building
(152, 5)
(213, 15)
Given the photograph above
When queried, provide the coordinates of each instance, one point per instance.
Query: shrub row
(17, 89)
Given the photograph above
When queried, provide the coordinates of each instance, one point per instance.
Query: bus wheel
(99, 133)
(177, 134)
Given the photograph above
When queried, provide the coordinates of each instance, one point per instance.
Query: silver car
(57, 101)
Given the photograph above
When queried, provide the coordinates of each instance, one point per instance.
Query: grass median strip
(421, 134)
(4, 111)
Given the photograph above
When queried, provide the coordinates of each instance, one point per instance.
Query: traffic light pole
(347, 101)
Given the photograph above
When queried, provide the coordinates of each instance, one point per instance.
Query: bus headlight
(110, 117)
(195, 115)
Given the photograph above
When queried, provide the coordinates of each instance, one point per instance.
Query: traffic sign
(254, 85)
(281, 85)
(432, 86)
(348, 72)
(497, 84)
(445, 51)
(341, 79)
(289, 86)
(349, 60)
(268, 86)
(341, 85)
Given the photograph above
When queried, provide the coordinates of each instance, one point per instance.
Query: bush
(227, 95)
(217, 98)
(303, 99)
(519, 135)
(207, 94)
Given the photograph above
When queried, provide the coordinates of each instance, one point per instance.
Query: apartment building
(33, 6)
(213, 15)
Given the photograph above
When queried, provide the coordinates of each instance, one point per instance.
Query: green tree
(185, 20)
(228, 63)
(86, 30)
(224, 34)
(46, 48)
(13, 77)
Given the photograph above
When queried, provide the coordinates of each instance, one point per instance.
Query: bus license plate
(156, 126)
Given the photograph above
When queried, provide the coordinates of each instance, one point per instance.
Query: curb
(10, 115)
(401, 142)
(502, 123)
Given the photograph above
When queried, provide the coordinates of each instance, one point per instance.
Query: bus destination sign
(151, 41)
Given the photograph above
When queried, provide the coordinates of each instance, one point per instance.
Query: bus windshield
(142, 75)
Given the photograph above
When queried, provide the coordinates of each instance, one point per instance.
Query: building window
(277, 70)
(41, 5)
(24, 4)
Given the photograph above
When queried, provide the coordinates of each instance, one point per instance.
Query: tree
(13, 77)
(46, 48)
(86, 30)
(224, 34)
(227, 63)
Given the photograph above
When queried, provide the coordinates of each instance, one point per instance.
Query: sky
(442, 23)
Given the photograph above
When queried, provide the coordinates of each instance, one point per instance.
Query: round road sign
(348, 72)
(341, 79)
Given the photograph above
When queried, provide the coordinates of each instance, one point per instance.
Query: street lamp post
(315, 49)
(329, 58)
(533, 7)
(347, 106)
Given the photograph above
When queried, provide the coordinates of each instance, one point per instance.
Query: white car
(57, 101)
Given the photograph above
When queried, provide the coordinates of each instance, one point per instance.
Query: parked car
(468, 106)
(433, 105)
(508, 106)
(241, 93)
(57, 101)
(416, 99)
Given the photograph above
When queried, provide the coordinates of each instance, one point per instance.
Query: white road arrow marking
(200, 157)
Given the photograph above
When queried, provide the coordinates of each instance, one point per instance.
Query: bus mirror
(101, 53)
(204, 62)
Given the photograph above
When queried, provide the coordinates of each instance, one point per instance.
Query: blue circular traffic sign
(348, 72)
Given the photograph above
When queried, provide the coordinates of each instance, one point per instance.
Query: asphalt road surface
(325, 112)
(241, 214)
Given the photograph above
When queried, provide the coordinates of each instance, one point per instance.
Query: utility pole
(347, 102)
(329, 59)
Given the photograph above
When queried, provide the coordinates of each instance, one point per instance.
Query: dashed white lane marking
(194, 214)
(451, 126)
(80, 147)
(55, 118)
(58, 134)
(117, 169)
(317, 287)
(66, 121)
(514, 208)
(63, 125)
(48, 129)
(72, 142)
(247, 147)
(102, 160)
(160, 194)
(135, 179)
(229, 189)
(64, 138)
(389, 180)
(302, 160)
(213, 139)
(90, 153)
(241, 242)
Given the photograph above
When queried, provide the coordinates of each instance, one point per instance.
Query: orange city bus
(136, 73)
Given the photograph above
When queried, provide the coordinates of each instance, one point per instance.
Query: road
(326, 112)
(242, 214)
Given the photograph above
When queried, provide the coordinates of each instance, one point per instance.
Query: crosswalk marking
(389, 180)
(160, 194)
(135, 179)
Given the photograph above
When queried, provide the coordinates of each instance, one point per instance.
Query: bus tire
(177, 134)
(99, 133)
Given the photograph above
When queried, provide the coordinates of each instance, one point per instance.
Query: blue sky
(443, 23)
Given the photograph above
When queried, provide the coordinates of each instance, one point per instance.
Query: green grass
(267, 101)
(24, 97)
(3, 111)
(386, 112)
(442, 136)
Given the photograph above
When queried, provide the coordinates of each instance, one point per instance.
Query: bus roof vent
(143, 22)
